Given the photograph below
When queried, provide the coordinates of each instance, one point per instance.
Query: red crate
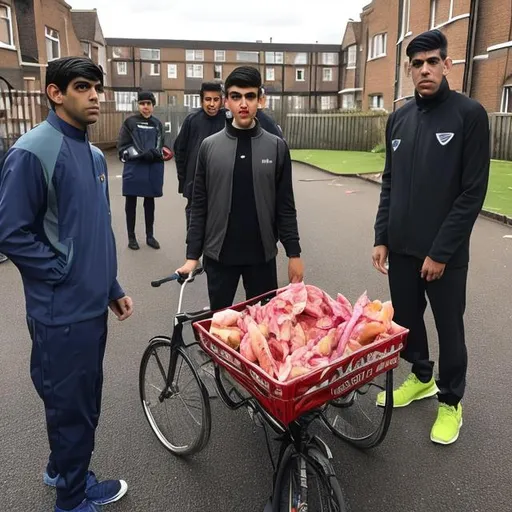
(286, 401)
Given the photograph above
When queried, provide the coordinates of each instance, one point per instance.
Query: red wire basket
(286, 401)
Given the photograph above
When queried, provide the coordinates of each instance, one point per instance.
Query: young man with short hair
(55, 226)
(209, 119)
(140, 145)
(433, 188)
(243, 201)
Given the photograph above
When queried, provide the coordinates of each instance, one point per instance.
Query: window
(6, 38)
(348, 101)
(274, 57)
(301, 58)
(376, 102)
(300, 75)
(194, 71)
(220, 55)
(172, 100)
(192, 100)
(217, 72)
(122, 68)
(248, 56)
(52, 44)
(273, 102)
(331, 59)
(197, 55)
(270, 74)
(296, 102)
(86, 48)
(327, 103)
(149, 54)
(351, 56)
(117, 52)
(506, 100)
(378, 46)
(172, 71)
(154, 70)
(327, 75)
(125, 101)
(440, 14)
(406, 17)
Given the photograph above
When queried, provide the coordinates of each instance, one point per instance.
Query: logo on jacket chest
(266, 161)
(395, 143)
(444, 138)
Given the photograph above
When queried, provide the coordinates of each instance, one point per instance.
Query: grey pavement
(407, 473)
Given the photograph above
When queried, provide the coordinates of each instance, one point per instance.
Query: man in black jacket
(433, 188)
(197, 126)
(243, 201)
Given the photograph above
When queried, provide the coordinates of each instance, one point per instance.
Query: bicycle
(304, 459)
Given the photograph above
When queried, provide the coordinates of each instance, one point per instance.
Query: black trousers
(131, 213)
(67, 372)
(223, 281)
(447, 297)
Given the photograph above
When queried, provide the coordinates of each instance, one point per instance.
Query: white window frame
(274, 57)
(378, 46)
(297, 59)
(48, 35)
(270, 74)
(154, 69)
(192, 100)
(352, 56)
(9, 29)
(451, 17)
(406, 21)
(380, 102)
(273, 101)
(348, 101)
(195, 71)
(326, 103)
(172, 71)
(300, 70)
(506, 95)
(246, 52)
(194, 55)
(124, 100)
(220, 55)
(329, 58)
(327, 75)
(156, 57)
(296, 102)
(122, 68)
(89, 48)
(217, 69)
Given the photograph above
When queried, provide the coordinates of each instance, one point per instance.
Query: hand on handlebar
(188, 268)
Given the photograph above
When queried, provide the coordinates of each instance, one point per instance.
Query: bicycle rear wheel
(177, 409)
(307, 483)
(357, 419)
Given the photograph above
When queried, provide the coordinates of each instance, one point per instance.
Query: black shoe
(152, 242)
(133, 244)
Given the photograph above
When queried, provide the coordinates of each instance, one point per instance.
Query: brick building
(479, 43)
(32, 33)
(304, 76)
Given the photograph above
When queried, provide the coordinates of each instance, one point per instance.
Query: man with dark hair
(140, 146)
(55, 226)
(206, 121)
(243, 201)
(433, 188)
(266, 122)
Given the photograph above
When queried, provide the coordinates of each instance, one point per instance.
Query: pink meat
(261, 350)
(246, 349)
(285, 369)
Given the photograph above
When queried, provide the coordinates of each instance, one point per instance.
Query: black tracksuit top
(435, 177)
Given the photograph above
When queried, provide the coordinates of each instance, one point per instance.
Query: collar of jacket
(65, 128)
(430, 102)
(234, 133)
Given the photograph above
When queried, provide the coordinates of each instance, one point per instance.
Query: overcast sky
(286, 21)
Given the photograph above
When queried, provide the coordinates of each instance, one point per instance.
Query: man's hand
(122, 308)
(432, 270)
(188, 268)
(379, 258)
(295, 270)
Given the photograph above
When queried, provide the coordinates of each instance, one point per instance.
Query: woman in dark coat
(140, 147)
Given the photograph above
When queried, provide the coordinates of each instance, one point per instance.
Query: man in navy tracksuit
(433, 188)
(55, 226)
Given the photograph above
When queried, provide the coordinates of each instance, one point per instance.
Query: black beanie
(428, 41)
(146, 96)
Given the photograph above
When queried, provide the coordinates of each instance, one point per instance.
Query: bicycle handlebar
(181, 278)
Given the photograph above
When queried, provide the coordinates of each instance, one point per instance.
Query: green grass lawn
(499, 194)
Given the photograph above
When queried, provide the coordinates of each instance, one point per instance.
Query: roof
(84, 23)
(221, 45)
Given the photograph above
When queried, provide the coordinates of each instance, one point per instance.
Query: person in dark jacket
(243, 201)
(266, 122)
(55, 226)
(140, 146)
(433, 188)
(198, 125)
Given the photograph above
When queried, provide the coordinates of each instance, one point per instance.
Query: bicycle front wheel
(176, 405)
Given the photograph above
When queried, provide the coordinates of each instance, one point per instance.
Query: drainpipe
(470, 48)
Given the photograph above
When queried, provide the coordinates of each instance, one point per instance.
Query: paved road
(407, 473)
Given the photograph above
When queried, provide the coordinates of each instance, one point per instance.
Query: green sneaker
(412, 389)
(447, 426)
